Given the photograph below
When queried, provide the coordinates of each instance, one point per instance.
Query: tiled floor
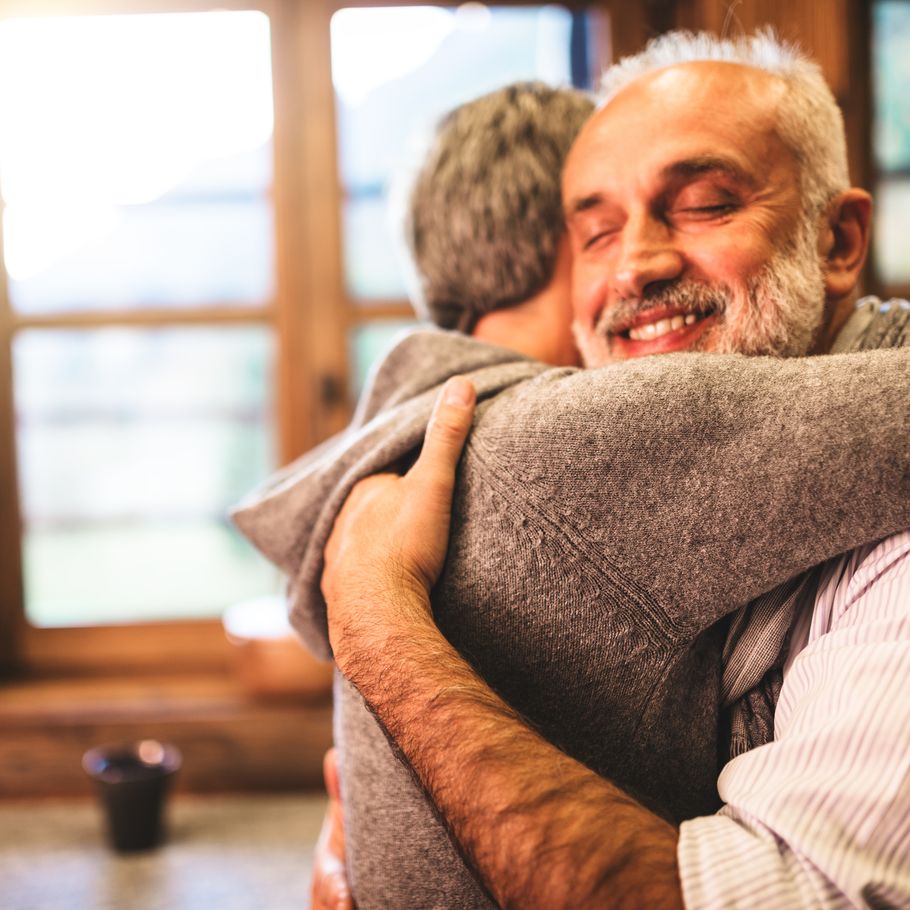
(226, 853)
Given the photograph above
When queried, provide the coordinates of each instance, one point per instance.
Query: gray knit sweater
(604, 522)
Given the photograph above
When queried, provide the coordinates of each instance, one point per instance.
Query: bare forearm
(541, 829)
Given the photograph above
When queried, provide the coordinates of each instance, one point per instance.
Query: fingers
(446, 434)
(330, 774)
(335, 812)
(330, 889)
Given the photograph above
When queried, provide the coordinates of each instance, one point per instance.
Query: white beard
(779, 312)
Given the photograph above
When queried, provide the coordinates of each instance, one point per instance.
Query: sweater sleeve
(705, 480)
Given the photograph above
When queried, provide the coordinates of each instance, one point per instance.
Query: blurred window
(132, 444)
(136, 172)
(136, 161)
(891, 140)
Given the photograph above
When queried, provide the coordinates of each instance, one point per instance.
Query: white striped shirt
(820, 817)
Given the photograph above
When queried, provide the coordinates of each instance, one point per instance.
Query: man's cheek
(589, 287)
(732, 263)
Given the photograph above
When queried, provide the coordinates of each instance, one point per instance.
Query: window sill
(230, 741)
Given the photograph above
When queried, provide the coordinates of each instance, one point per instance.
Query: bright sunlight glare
(108, 111)
(371, 47)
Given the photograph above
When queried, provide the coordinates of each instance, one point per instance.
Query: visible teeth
(652, 330)
(649, 330)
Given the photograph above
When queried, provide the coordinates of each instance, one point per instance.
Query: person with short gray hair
(485, 212)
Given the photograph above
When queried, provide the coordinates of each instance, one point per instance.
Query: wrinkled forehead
(688, 109)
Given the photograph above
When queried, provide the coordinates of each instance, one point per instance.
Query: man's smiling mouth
(657, 323)
(661, 327)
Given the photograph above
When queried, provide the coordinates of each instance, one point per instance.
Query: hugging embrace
(669, 642)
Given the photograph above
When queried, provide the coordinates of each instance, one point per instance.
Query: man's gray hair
(808, 119)
(485, 214)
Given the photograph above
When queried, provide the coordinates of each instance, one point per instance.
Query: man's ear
(845, 241)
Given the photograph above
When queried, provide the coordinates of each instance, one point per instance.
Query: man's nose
(647, 255)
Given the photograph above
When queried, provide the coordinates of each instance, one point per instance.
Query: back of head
(809, 120)
(485, 214)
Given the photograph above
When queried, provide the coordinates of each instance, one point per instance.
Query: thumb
(446, 434)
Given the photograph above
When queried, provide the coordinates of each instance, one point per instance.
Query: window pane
(892, 232)
(891, 78)
(132, 444)
(369, 341)
(891, 139)
(374, 264)
(181, 255)
(396, 70)
(136, 160)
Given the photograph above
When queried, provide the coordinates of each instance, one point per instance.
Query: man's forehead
(700, 84)
(702, 105)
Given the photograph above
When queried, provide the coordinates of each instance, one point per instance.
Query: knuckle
(447, 430)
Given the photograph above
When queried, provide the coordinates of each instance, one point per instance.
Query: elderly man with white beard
(693, 221)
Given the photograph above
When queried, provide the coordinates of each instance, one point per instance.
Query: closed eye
(708, 211)
(594, 239)
(591, 225)
(704, 198)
